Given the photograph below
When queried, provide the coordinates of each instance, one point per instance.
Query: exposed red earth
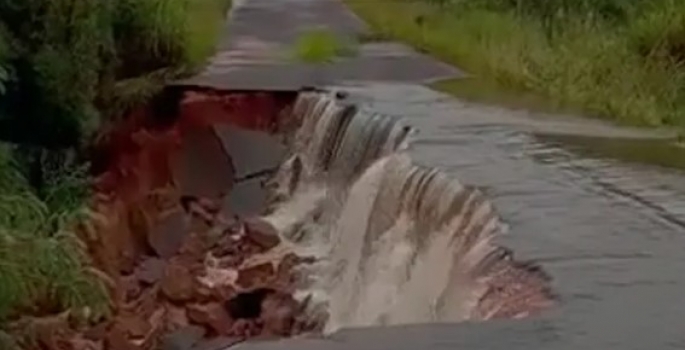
(175, 261)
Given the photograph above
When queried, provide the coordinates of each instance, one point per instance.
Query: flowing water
(397, 243)
(409, 217)
(607, 229)
(408, 222)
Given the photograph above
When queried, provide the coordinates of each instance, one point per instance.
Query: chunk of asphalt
(168, 235)
(151, 270)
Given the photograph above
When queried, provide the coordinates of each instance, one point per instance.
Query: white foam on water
(396, 243)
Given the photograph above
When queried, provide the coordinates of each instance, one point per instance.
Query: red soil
(137, 203)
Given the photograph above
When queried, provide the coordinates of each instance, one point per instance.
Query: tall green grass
(67, 67)
(619, 59)
(43, 267)
(83, 62)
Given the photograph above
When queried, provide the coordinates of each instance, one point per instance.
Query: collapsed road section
(239, 215)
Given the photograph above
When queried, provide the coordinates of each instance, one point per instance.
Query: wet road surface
(257, 50)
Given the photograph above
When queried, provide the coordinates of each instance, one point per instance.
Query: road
(611, 234)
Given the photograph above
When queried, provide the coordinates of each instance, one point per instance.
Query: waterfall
(396, 243)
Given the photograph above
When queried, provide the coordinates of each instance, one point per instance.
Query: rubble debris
(176, 261)
(255, 276)
(150, 270)
(168, 235)
(212, 316)
(262, 233)
(177, 284)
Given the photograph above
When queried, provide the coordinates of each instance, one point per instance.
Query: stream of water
(397, 243)
(409, 218)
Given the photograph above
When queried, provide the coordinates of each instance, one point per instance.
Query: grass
(627, 69)
(322, 46)
(43, 267)
(177, 37)
(81, 64)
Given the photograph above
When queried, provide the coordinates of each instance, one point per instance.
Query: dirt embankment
(177, 262)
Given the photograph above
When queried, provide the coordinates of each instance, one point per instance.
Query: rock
(133, 325)
(175, 318)
(211, 315)
(96, 332)
(261, 233)
(220, 343)
(285, 273)
(151, 270)
(211, 206)
(202, 292)
(149, 339)
(200, 212)
(255, 276)
(278, 314)
(216, 284)
(227, 221)
(183, 339)
(128, 289)
(245, 328)
(49, 331)
(224, 292)
(167, 236)
(116, 340)
(194, 248)
(226, 246)
(178, 282)
(217, 291)
(147, 303)
(136, 328)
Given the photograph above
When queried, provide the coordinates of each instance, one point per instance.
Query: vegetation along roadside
(67, 69)
(618, 59)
